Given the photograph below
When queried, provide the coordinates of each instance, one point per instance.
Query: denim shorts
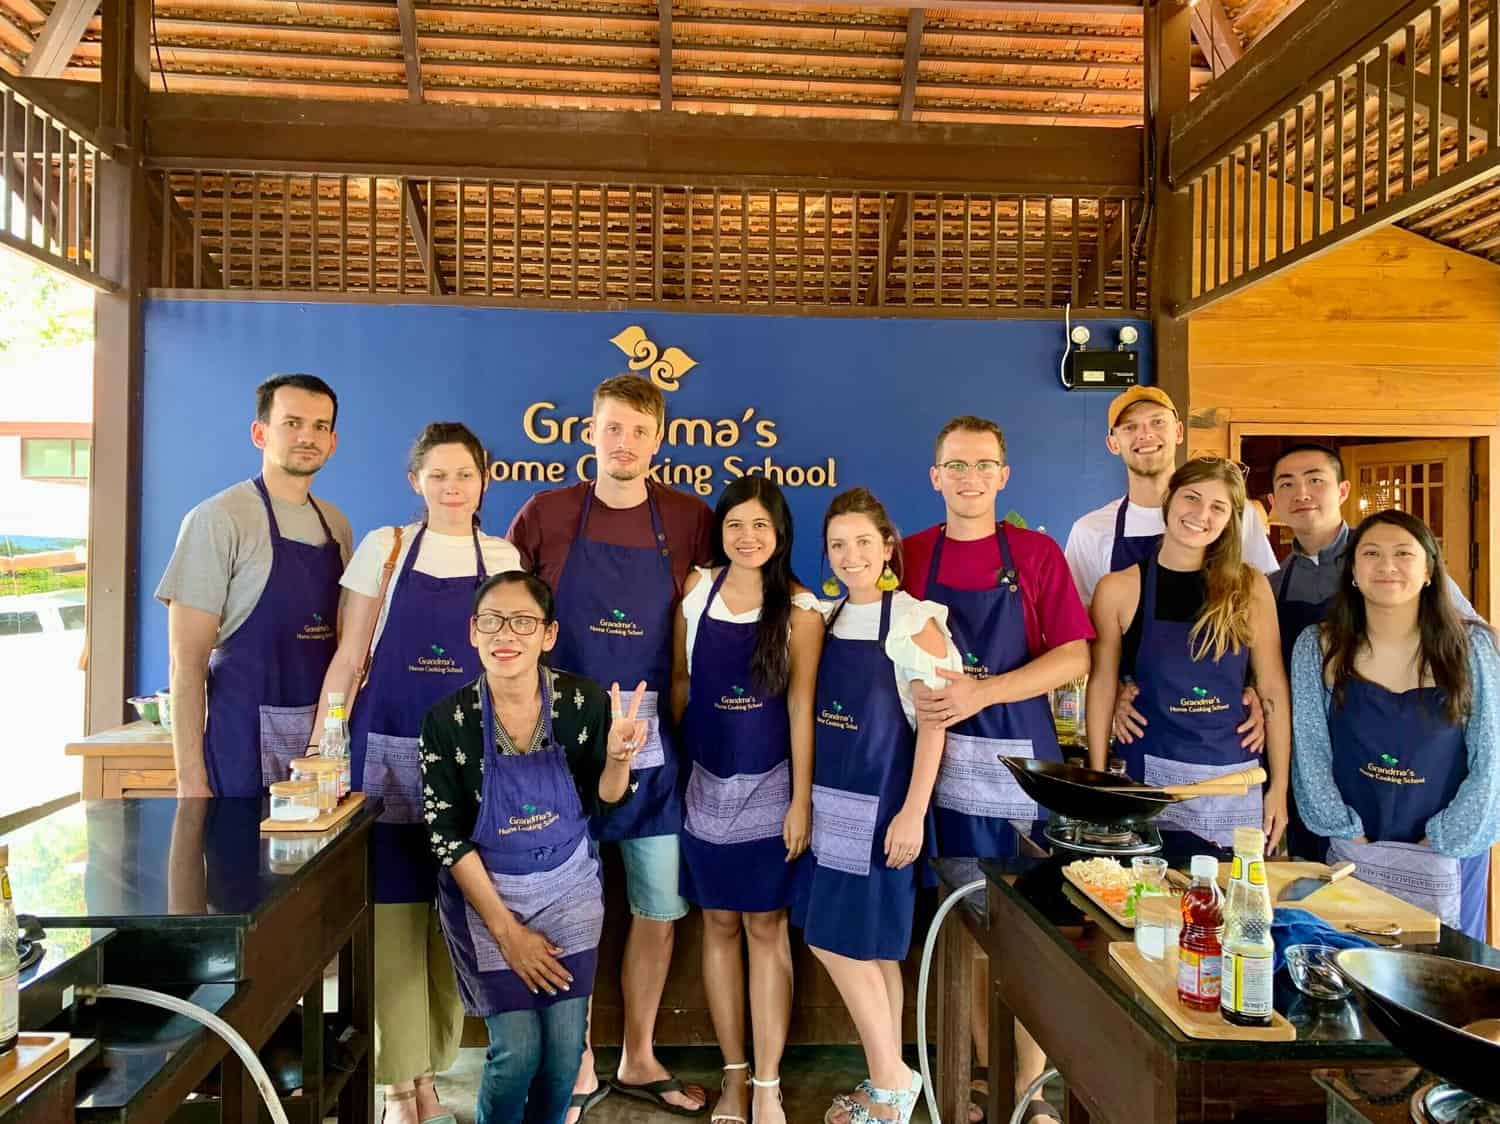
(651, 877)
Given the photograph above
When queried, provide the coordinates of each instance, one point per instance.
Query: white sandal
(724, 1116)
(774, 1083)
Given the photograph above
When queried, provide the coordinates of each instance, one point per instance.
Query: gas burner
(1441, 1103)
(1102, 839)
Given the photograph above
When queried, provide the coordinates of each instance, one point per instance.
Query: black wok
(1421, 1003)
(1074, 792)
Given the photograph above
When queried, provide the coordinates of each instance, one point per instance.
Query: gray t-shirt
(222, 559)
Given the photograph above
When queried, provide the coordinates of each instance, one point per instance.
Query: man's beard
(292, 468)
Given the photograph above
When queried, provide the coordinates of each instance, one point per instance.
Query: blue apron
(1126, 551)
(614, 612)
(739, 746)
(1192, 709)
(1292, 617)
(848, 901)
(424, 653)
(263, 681)
(1398, 762)
(975, 794)
(532, 836)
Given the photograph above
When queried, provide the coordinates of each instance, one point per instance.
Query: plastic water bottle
(1245, 997)
(10, 962)
(335, 740)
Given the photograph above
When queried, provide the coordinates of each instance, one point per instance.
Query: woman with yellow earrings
(744, 669)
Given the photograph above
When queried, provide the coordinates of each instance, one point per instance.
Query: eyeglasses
(522, 624)
(1215, 458)
(957, 469)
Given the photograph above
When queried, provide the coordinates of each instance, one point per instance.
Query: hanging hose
(923, 973)
(178, 1006)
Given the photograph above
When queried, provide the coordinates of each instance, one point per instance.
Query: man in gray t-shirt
(252, 600)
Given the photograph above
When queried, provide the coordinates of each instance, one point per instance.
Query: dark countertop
(160, 863)
(1035, 886)
(61, 948)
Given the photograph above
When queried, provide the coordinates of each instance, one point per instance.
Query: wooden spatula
(1299, 888)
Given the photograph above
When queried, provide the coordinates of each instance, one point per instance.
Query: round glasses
(958, 469)
(522, 624)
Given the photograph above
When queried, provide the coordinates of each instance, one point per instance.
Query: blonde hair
(636, 392)
(1224, 623)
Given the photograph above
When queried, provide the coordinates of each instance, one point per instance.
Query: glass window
(72, 615)
(55, 458)
(46, 456)
(19, 624)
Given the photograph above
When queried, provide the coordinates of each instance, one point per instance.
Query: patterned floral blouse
(452, 751)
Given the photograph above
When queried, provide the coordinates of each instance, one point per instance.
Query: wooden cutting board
(1348, 900)
(1151, 978)
(33, 1055)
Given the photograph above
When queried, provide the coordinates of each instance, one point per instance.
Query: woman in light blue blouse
(1396, 719)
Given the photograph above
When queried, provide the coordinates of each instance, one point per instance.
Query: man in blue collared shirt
(1308, 491)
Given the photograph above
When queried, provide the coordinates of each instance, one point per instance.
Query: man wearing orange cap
(1144, 431)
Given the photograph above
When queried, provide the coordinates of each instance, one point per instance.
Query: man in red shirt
(1022, 630)
(615, 551)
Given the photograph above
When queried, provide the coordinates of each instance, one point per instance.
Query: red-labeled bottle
(1200, 953)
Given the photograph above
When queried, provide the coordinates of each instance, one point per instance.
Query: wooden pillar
(1168, 31)
(114, 508)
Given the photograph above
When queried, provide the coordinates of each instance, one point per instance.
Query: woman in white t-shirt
(873, 772)
(408, 598)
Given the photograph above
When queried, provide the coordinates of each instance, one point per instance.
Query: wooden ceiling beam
(421, 232)
(898, 222)
(1215, 35)
(59, 37)
(910, 64)
(664, 50)
(248, 132)
(411, 52)
(1277, 72)
(1401, 83)
(1080, 7)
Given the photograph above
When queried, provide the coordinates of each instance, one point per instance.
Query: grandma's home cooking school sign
(820, 405)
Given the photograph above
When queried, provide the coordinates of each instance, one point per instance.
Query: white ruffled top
(909, 661)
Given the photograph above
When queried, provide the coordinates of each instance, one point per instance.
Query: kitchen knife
(1299, 888)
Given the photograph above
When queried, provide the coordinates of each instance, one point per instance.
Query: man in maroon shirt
(615, 551)
(1022, 630)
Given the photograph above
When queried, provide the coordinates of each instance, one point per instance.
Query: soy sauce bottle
(1200, 953)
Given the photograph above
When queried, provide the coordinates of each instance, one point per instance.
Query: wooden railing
(48, 172)
(834, 251)
(1395, 125)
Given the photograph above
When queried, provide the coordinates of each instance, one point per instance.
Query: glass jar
(294, 801)
(1149, 877)
(325, 773)
(290, 852)
(1158, 924)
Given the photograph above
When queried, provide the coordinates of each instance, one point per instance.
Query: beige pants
(419, 1018)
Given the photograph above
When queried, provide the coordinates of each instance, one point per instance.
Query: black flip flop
(1039, 1109)
(655, 1093)
(585, 1101)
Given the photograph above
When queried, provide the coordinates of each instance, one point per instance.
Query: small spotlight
(1080, 335)
(1128, 337)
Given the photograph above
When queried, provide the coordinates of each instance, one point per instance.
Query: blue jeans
(531, 1063)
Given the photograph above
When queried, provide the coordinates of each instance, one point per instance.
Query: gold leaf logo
(665, 368)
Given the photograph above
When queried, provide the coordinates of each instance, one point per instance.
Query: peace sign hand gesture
(627, 733)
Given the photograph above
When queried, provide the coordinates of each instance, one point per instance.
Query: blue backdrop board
(823, 404)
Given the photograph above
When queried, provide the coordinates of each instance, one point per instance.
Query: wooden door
(1428, 479)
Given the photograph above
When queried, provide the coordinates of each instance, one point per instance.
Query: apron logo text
(1392, 776)
(536, 821)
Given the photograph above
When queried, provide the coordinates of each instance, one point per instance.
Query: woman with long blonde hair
(1189, 624)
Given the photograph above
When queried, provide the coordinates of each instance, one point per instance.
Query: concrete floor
(810, 1077)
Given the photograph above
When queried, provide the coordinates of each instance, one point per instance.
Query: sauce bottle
(1200, 949)
(1245, 998)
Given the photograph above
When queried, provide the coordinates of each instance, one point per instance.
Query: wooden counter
(136, 761)
(133, 760)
